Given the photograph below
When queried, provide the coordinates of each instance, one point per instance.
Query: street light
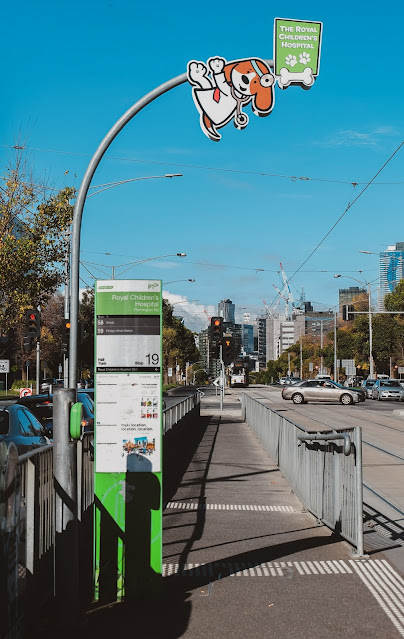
(130, 265)
(370, 321)
(110, 185)
(172, 281)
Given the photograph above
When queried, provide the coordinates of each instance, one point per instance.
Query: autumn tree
(32, 242)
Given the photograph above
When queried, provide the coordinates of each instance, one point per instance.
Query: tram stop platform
(243, 558)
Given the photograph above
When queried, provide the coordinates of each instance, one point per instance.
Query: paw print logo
(291, 60)
(304, 58)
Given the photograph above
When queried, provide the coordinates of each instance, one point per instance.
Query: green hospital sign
(297, 47)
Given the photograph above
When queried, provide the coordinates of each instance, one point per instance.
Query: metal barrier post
(359, 491)
(66, 522)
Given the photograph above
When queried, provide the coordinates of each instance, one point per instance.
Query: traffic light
(348, 312)
(228, 350)
(32, 324)
(216, 334)
(65, 336)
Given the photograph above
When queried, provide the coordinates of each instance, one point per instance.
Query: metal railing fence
(27, 518)
(30, 513)
(325, 475)
(174, 414)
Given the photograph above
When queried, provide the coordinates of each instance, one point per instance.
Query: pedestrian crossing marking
(187, 505)
(265, 569)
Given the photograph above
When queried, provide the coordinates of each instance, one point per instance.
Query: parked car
(85, 383)
(387, 389)
(20, 426)
(318, 390)
(367, 386)
(89, 392)
(288, 380)
(47, 383)
(42, 407)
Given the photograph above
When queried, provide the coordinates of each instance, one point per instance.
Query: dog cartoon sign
(221, 89)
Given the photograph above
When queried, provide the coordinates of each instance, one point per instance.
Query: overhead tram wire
(230, 266)
(349, 206)
(294, 178)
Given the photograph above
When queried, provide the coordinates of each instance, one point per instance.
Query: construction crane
(280, 294)
(285, 280)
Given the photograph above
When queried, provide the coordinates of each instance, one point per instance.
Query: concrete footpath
(242, 558)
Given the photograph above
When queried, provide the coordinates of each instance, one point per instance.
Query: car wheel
(298, 398)
(346, 399)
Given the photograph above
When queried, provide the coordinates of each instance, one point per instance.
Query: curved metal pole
(79, 206)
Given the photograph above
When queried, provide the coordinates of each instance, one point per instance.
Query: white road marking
(378, 569)
(184, 505)
(382, 582)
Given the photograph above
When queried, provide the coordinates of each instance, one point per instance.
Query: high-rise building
(247, 335)
(314, 323)
(262, 340)
(347, 296)
(273, 328)
(391, 264)
(227, 310)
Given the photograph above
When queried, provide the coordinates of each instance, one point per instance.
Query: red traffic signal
(32, 324)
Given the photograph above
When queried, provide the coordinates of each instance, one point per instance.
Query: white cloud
(350, 137)
(195, 315)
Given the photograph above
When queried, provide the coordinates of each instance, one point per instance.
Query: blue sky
(73, 70)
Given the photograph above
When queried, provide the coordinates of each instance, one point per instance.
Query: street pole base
(355, 555)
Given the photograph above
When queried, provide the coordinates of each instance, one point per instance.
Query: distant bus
(239, 376)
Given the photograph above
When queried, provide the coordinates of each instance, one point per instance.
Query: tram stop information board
(128, 436)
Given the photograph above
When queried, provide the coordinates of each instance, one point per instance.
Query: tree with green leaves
(32, 243)
(178, 341)
(395, 301)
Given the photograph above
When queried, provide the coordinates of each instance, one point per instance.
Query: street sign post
(5, 368)
(4, 365)
(128, 436)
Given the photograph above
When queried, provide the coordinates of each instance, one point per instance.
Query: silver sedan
(388, 389)
(316, 390)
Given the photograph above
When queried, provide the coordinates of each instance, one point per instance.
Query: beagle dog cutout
(220, 90)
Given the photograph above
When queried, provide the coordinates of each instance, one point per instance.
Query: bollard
(66, 516)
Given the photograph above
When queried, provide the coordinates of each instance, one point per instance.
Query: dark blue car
(20, 426)
(42, 407)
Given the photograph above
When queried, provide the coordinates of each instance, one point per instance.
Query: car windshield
(370, 382)
(390, 383)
